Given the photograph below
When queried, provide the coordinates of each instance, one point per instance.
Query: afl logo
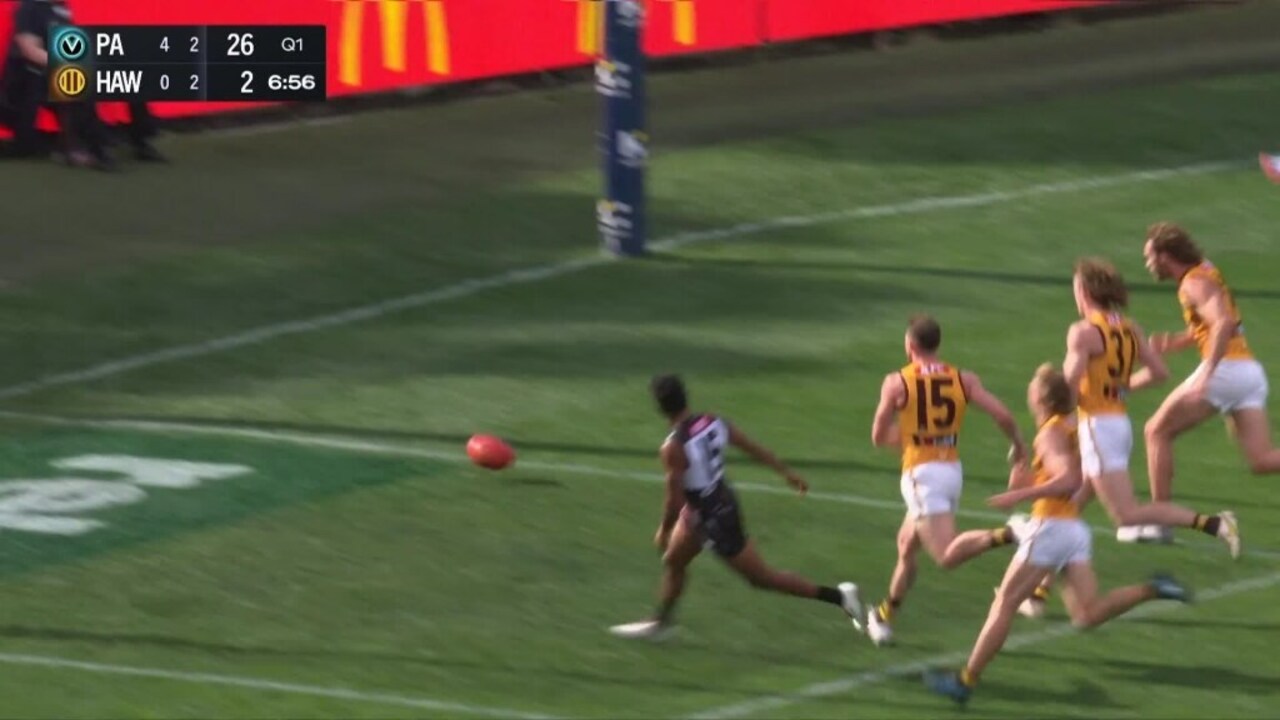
(71, 81)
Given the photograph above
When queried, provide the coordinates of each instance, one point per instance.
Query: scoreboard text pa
(209, 63)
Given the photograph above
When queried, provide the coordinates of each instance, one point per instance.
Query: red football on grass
(490, 452)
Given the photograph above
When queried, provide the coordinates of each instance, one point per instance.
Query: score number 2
(195, 82)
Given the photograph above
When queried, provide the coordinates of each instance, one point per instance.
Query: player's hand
(797, 483)
(1005, 500)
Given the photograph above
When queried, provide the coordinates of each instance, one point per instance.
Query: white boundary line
(538, 273)
(199, 678)
(369, 447)
(748, 707)
(844, 685)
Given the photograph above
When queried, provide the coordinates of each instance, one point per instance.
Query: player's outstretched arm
(884, 430)
(991, 405)
(674, 465)
(1058, 461)
(1154, 370)
(764, 456)
(1170, 342)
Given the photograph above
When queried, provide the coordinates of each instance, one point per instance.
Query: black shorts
(719, 518)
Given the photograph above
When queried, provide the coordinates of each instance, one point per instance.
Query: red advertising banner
(803, 19)
(379, 45)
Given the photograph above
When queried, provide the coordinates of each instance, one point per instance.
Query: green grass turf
(432, 579)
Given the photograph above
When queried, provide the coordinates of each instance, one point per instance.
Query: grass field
(337, 557)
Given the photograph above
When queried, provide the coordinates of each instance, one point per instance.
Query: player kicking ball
(701, 509)
(1055, 541)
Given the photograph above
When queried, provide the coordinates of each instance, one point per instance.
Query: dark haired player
(921, 412)
(701, 509)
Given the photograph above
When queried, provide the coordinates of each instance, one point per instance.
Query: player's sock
(887, 608)
(1002, 536)
(1207, 524)
(830, 595)
(968, 679)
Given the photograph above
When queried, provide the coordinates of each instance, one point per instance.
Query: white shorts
(1106, 441)
(932, 488)
(1235, 385)
(1055, 543)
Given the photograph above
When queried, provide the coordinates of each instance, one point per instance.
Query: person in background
(24, 90)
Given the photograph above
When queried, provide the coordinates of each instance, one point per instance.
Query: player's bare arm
(1083, 343)
(991, 405)
(1060, 463)
(1020, 475)
(1170, 342)
(1154, 370)
(764, 456)
(1210, 303)
(674, 465)
(885, 432)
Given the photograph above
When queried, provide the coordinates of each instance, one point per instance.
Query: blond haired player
(1055, 541)
(1103, 348)
(922, 409)
(1229, 380)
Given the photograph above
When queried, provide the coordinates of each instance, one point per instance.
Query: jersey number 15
(935, 395)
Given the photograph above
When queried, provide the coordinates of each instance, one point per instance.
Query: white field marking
(368, 447)
(272, 127)
(537, 273)
(844, 685)
(251, 683)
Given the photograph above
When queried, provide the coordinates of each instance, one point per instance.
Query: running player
(1055, 541)
(702, 509)
(922, 408)
(1102, 349)
(1229, 380)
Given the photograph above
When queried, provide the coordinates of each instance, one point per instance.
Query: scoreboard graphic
(203, 63)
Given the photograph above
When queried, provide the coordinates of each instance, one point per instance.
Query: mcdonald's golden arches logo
(684, 24)
(71, 81)
(393, 17)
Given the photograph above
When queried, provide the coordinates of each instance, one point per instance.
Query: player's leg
(1020, 580)
(970, 544)
(684, 545)
(1115, 490)
(936, 532)
(1253, 435)
(879, 622)
(1087, 610)
(748, 563)
(1177, 414)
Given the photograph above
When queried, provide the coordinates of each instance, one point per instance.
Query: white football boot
(643, 630)
(878, 629)
(1129, 534)
(852, 604)
(1229, 532)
